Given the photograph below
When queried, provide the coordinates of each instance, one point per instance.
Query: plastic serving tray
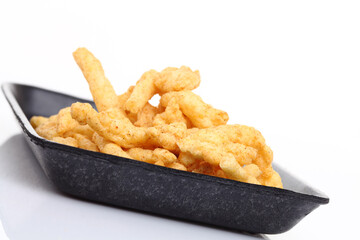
(154, 189)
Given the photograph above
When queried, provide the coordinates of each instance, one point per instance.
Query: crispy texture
(122, 100)
(187, 159)
(66, 141)
(143, 91)
(182, 132)
(101, 89)
(172, 114)
(146, 116)
(120, 131)
(65, 122)
(84, 130)
(85, 143)
(166, 135)
(177, 79)
(48, 129)
(158, 155)
(36, 121)
(201, 115)
(108, 147)
(177, 166)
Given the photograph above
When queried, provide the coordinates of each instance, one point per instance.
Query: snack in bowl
(182, 132)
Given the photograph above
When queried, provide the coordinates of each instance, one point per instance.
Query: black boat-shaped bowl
(154, 189)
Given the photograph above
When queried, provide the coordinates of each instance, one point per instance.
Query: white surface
(289, 69)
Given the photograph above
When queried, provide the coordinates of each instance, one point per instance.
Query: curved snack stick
(109, 147)
(48, 129)
(205, 168)
(233, 170)
(146, 116)
(209, 152)
(67, 141)
(65, 122)
(160, 163)
(177, 79)
(36, 121)
(140, 154)
(249, 136)
(252, 170)
(167, 135)
(201, 115)
(85, 143)
(143, 91)
(124, 97)
(187, 159)
(273, 180)
(101, 89)
(171, 114)
(122, 100)
(84, 130)
(213, 138)
(120, 131)
(177, 166)
(243, 154)
(152, 156)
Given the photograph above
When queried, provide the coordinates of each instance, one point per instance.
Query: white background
(290, 69)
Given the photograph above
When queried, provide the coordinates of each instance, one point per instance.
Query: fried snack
(66, 141)
(85, 143)
(108, 147)
(65, 122)
(101, 89)
(251, 137)
(204, 168)
(172, 114)
(187, 159)
(159, 155)
(48, 127)
(83, 130)
(177, 79)
(201, 115)
(177, 166)
(146, 116)
(122, 100)
(143, 91)
(36, 121)
(166, 136)
(120, 131)
(233, 170)
(182, 132)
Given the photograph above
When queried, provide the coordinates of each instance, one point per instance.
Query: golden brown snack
(36, 121)
(66, 141)
(122, 100)
(201, 115)
(182, 133)
(146, 116)
(120, 131)
(143, 91)
(172, 114)
(166, 136)
(233, 170)
(108, 147)
(159, 155)
(65, 122)
(177, 166)
(101, 89)
(84, 130)
(48, 128)
(177, 79)
(187, 159)
(85, 143)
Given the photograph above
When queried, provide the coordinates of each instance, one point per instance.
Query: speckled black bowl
(154, 189)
